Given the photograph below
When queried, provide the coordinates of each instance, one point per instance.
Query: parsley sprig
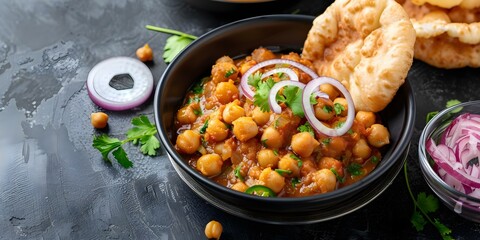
(142, 133)
(425, 204)
(174, 44)
(449, 103)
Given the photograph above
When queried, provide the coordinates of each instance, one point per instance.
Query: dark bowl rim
(396, 154)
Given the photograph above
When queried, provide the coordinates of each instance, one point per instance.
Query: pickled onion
(458, 152)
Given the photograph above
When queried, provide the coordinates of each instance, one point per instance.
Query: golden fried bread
(365, 44)
(446, 38)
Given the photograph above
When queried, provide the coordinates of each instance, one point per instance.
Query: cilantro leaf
(173, 46)
(295, 181)
(143, 132)
(230, 72)
(204, 127)
(283, 171)
(105, 145)
(327, 109)
(444, 230)
(293, 99)
(452, 102)
(260, 98)
(339, 178)
(306, 128)
(428, 203)
(149, 145)
(122, 158)
(254, 79)
(418, 221)
(430, 115)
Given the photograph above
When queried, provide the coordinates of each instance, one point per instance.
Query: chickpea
(188, 141)
(226, 92)
(240, 186)
(267, 158)
(272, 138)
(304, 144)
(213, 230)
(329, 163)
(379, 135)
(225, 59)
(262, 54)
(232, 112)
(344, 103)
(308, 166)
(330, 90)
(186, 115)
(244, 128)
(366, 118)
(99, 119)
(325, 180)
(361, 149)
(247, 65)
(145, 53)
(222, 71)
(335, 147)
(210, 164)
(216, 130)
(260, 117)
(324, 109)
(288, 163)
(272, 179)
(223, 150)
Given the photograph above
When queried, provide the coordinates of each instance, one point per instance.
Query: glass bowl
(461, 203)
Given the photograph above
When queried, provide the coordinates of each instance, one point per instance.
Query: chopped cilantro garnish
(299, 161)
(326, 141)
(264, 142)
(283, 171)
(338, 108)
(237, 172)
(198, 111)
(355, 169)
(306, 128)
(327, 109)
(449, 103)
(254, 79)
(339, 179)
(275, 151)
(193, 99)
(350, 131)
(374, 159)
(204, 127)
(339, 124)
(295, 181)
(230, 72)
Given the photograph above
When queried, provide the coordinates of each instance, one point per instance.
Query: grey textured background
(54, 185)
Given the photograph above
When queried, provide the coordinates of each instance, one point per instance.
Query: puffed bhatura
(446, 37)
(366, 45)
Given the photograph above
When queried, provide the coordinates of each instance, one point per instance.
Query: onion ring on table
(311, 88)
(248, 92)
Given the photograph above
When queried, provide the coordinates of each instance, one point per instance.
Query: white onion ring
(273, 93)
(312, 87)
(248, 92)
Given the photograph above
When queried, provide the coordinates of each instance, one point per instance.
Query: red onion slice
(312, 87)
(248, 92)
(109, 98)
(291, 74)
(273, 93)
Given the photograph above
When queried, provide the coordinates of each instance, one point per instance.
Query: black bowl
(277, 32)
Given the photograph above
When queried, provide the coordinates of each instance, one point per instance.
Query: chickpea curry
(257, 140)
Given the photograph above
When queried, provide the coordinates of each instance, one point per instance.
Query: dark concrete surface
(54, 185)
